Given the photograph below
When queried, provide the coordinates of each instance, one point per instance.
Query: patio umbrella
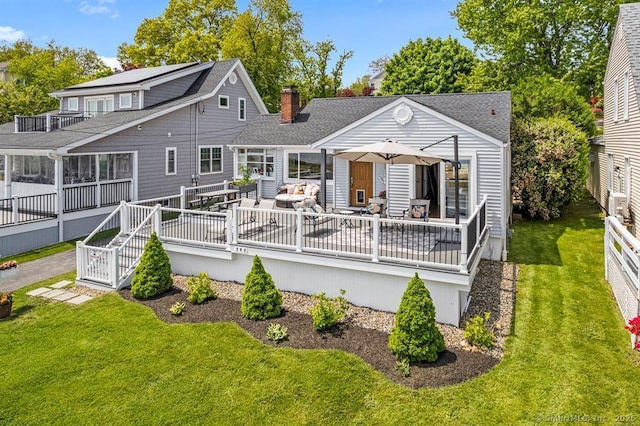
(388, 152)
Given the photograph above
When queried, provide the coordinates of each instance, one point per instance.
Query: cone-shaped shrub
(260, 298)
(415, 336)
(153, 274)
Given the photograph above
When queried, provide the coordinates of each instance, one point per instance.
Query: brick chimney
(289, 104)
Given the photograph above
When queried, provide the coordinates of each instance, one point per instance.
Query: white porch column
(8, 166)
(59, 181)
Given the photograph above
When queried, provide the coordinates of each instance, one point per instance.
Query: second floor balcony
(46, 122)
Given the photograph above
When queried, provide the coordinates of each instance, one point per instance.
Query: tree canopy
(565, 39)
(428, 66)
(36, 71)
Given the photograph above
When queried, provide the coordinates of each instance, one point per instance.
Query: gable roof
(326, 116)
(629, 17)
(63, 140)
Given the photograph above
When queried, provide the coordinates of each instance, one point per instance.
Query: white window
(171, 168)
(210, 159)
(72, 104)
(98, 105)
(125, 100)
(306, 166)
(242, 109)
(223, 102)
(625, 98)
(115, 166)
(259, 161)
(615, 100)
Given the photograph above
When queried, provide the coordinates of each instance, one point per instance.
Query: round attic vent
(233, 78)
(402, 114)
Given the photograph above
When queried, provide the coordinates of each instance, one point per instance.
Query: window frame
(226, 98)
(210, 148)
(98, 98)
(287, 172)
(267, 168)
(242, 109)
(123, 96)
(168, 161)
(77, 104)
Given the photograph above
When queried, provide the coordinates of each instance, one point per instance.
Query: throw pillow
(308, 190)
(299, 190)
(290, 188)
(374, 208)
(418, 211)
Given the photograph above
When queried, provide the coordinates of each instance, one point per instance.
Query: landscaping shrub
(277, 332)
(177, 308)
(153, 274)
(477, 333)
(415, 336)
(200, 289)
(260, 298)
(327, 312)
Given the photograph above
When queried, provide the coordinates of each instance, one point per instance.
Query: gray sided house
(615, 156)
(289, 148)
(135, 135)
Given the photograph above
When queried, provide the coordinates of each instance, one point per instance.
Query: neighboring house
(3, 71)
(615, 156)
(376, 81)
(288, 148)
(131, 136)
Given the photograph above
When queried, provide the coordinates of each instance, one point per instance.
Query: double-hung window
(72, 104)
(259, 161)
(210, 159)
(125, 100)
(242, 109)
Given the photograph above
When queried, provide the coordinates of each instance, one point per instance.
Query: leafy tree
(566, 39)
(153, 273)
(260, 298)
(377, 65)
(311, 69)
(549, 165)
(429, 66)
(545, 96)
(361, 86)
(263, 38)
(37, 71)
(187, 30)
(415, 336)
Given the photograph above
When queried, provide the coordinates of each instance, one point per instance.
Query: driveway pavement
(40, 269)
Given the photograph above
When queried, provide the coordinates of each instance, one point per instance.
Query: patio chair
(375, 206)
(263, 214)
(418, 210)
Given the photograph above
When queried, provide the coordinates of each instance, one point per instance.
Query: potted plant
(8, 268)
(246, 183)
(6, 300)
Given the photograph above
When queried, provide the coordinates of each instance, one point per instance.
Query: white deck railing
(622, 267)
(430, 244)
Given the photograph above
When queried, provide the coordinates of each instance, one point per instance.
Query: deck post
(607, 226)
(14, 213)
(124, 217)
(464, 250)
(230, 214)
(16, 126)
(299, 231)
(375, 242)
(157, 220)
(115, 276)
(48, 129)
(233, 238)
(80, 266)
(183, 199)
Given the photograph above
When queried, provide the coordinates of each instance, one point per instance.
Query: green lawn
(112, 362)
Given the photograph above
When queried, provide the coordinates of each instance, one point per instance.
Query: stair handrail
(104, 222)
(131, 235)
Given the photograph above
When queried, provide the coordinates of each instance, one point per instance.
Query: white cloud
(110, 62)
(95, 7)
(10, 34)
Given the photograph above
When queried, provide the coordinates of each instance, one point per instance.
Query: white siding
(623, 136)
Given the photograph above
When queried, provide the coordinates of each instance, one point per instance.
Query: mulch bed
(453, 366)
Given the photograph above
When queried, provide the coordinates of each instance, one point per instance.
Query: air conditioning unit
(619, 205)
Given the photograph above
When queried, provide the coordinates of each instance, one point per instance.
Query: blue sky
(371, 28)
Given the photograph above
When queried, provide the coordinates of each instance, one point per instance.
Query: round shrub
(153, 274)
(260, 298)
(415, 336)
(200, 289)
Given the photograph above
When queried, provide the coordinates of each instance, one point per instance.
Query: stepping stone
(65, 296)
(79, 299)
(39, 291)
(52, 293)
(60, 284)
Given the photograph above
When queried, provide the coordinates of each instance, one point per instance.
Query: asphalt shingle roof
(205, 84)
(630, 16)
(323, 117)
